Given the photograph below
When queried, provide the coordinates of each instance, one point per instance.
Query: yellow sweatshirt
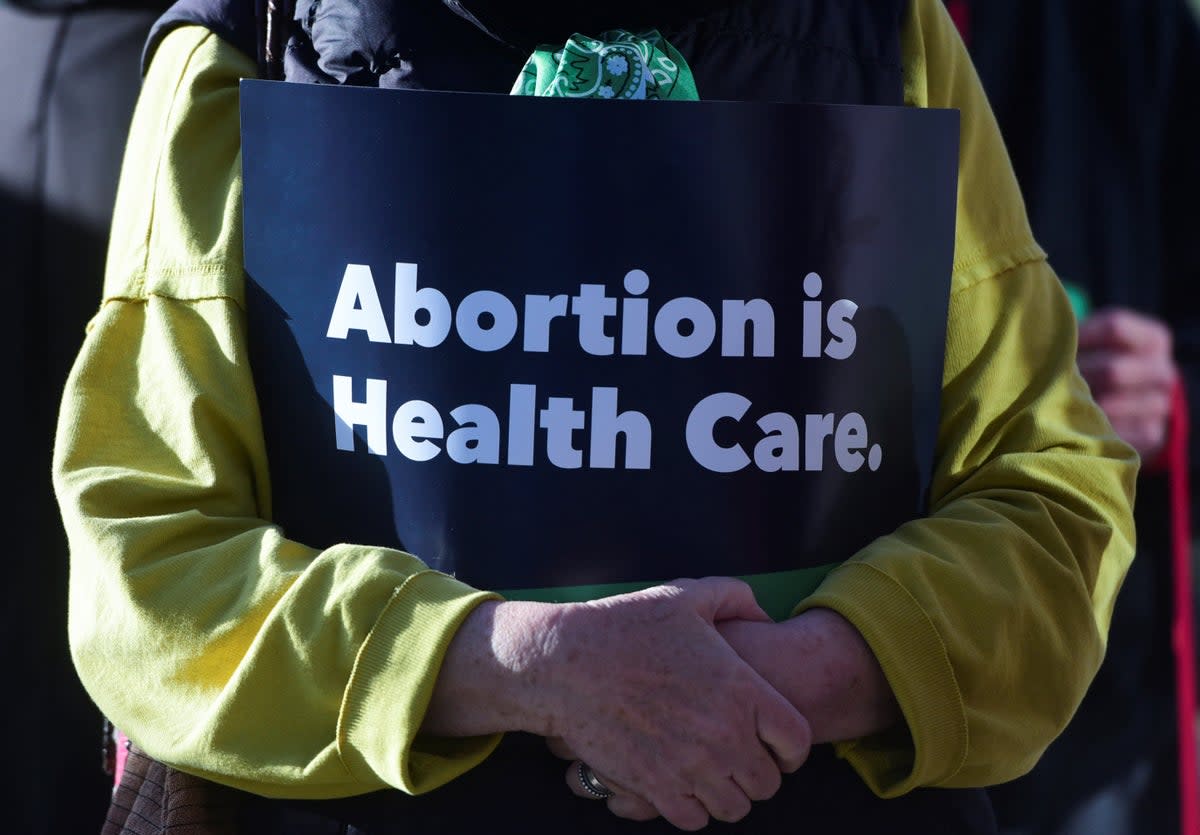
(227, 650)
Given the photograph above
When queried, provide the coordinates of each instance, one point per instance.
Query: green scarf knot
(617, 65)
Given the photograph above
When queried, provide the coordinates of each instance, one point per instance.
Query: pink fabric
(1183, 627)
(959, 14)
(122, 755)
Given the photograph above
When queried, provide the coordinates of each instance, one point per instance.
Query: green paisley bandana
(617, 65)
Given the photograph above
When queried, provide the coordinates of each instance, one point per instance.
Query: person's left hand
(818, 660)
(1126, 359)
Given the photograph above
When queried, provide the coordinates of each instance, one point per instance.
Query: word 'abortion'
(683, 328)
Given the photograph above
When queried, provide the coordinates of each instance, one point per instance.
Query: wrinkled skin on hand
(1126, 359)
(664, 710)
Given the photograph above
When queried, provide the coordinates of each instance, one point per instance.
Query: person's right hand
(1126, 358)
(644, 689)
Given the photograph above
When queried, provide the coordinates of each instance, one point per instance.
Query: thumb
(784, 730)
(732, 599)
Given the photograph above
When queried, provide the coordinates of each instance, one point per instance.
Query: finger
(1121, 327)
(575, 782)
(1148, 439)
(683, 812)
(618, 789)
(784, 731)
(731, 598)
(1146, 407)
(623, 803)
(724, 800)
(759, 779)
(559, 748)
(1148, 446)
(1108, 370)
(631, 807)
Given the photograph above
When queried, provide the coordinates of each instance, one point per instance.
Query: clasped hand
(663, 709)
(1126, 359)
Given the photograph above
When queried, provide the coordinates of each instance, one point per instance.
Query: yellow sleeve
(216, 644)
(990, 616)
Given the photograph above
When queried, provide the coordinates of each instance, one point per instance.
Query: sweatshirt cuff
(931, 746)
(391, 685)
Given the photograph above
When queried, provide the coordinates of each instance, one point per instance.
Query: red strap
(122, 743)
(960, 16)
(1183, 635)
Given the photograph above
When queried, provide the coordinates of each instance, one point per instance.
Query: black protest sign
(590, 345)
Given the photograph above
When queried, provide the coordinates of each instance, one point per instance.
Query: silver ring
(591, 783)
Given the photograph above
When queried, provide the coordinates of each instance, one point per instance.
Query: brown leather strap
(155, 799)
